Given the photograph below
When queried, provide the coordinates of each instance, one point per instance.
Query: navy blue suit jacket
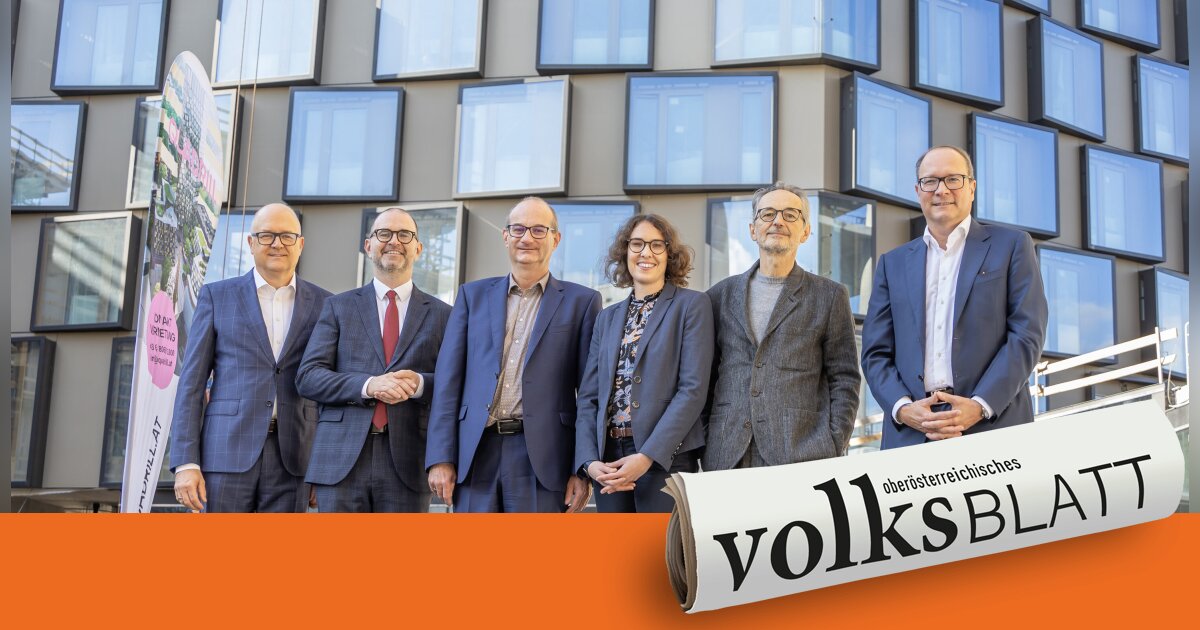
(345, 350)
(468, 369)
(670, 377)
(999, 319)
(228, 340)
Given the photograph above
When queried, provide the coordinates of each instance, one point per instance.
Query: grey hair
(795, 190)
(958, 150)
(553, 213)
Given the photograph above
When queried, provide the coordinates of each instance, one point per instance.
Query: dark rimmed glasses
(384, 235)
(536, 231)
(953, 182)
(636, 245)
(266, 239)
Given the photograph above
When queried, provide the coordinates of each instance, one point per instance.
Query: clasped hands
(393, 387)
(963, 414)
(619, 476)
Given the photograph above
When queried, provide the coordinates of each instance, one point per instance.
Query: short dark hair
(679, 256)
(959, 150)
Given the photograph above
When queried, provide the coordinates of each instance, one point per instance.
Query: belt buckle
(501, 424)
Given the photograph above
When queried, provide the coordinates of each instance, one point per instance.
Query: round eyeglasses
(636, 245)
(266, 239)
(385, 235)
(537, 231)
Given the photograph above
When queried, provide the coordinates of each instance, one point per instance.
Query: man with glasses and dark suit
(956, 319)
(785, 379)
(370, 364)
(247, 450)
(502, 428)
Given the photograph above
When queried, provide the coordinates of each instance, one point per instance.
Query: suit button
(758, 365)
(278, 370)
(754, 392)
(637, 379)
(747, 424)
(269, 403)
(636, 405)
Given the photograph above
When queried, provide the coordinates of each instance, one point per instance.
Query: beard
(387, 266)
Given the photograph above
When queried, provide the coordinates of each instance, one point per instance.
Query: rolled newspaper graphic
(740, 536)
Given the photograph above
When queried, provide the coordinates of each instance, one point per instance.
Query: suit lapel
(974, 251)
(498, 303)
(789, 299)
(610, 351)
(550, 301)
(914, 268)
(664, 301)
(737, 298)
(368, 311)
(251, 310)
(418, 306)
(301, 312)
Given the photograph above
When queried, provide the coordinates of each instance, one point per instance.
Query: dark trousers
(647, 494)
(266, 487)
(501, 479)
(372, 485)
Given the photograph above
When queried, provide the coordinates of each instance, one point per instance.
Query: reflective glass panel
(511, 137)
(109, 44)
(587, 231)
(1124, 203)
(116, 423)
(343, 144)
(890, 131)
(697, 131)
(840, 246)
(1125, 19)
(82, 272)
(273, 40)
(1171, 308)
(417, 37)
(1162, 108)
(1072, 90)
(959, 47)
(595, 33)
(45, 152)
(30, 358)
(230, 256)
(1079, 289)
(766, 29)
(1015, 168)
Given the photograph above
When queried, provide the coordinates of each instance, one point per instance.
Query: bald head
(276, 261)
(534, 206)
(392, 215)
(277, 215)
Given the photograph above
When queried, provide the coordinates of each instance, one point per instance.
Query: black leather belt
(377, 430)
(620, 431)
(511, 426)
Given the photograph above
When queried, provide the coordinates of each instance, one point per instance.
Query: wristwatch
(583, 470)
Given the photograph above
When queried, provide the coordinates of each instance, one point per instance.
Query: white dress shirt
(941, 283)
(276, 307)
(403, 297)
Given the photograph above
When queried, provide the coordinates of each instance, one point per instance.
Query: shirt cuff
(420, 386)
(896, 408)
(364, 389)
(179, 469)
(987, 409)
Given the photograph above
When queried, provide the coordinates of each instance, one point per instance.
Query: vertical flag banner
(180, 227)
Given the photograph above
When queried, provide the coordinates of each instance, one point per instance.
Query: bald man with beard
(247, 449)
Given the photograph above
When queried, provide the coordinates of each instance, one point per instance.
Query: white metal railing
(1155, 340)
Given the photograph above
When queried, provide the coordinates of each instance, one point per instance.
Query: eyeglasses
(953, 182)
(767, 215)
(385, 235)
(636, 245)
(537, 231)
(287, 239)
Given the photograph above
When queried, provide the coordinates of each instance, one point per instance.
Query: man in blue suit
(502, 428)
(370, 363)
(247, 450)
(956, 319)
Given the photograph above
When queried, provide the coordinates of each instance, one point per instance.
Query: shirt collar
(957, 235)
(542, 282)
(260, 282)
(403, 292)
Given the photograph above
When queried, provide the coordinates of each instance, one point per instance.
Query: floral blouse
(636, 317)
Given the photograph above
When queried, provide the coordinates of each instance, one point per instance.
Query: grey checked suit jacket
(797, 392)
(345, 350)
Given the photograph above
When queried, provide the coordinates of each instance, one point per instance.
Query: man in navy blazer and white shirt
(246, 451)
(370, 363)
(956, 319)
(502, 429)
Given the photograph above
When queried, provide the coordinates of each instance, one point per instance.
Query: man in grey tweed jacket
(785, 382)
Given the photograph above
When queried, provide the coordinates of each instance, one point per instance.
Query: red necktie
(391, 334)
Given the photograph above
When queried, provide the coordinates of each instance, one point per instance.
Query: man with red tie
(370, 363)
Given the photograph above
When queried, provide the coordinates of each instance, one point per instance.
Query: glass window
(1162, 99)
(1123, 204)
(110, 45)
(145, 143)
(885, 128)
(1131, 22)
(1016, 167)
(32, 371)
(343, 144)
(841, 246)
(700, 131)
(286, 51)
(1165, 305)
(1037, 6)
(47, 146)
(1066, 79)
(1181, 31)
(116, 418)
(841, 32)
(595, 34)
(588, 228)
(512, 138)
(414, 38)
(438, 271)
(85, 279)
(230, 256)
(1079, 289)
(959, 51)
